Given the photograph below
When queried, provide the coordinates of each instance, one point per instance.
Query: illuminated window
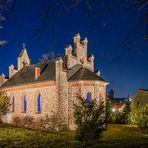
(88, 98)
(25, 103)
(39, 103)
(13, 104)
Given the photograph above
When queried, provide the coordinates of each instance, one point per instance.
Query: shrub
(139, 116)
(17, 121)
(89, 118)
(108, 109)
(54, 123)
(27, 121)
(118, 118)
(4, 104)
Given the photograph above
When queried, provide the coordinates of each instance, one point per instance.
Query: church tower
(80, 47)
(23, 59)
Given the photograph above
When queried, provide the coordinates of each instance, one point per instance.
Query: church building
(40, 89)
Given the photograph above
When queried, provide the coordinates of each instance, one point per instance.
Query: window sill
(38, 112)
(23, 112)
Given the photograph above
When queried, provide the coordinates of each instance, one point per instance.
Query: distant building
(51, 86)
(118, 104)
(141, 98)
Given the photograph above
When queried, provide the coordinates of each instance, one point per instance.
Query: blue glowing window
(25, 104)
(88, 99)
(39, 103)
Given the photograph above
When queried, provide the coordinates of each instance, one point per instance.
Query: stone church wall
(49, 102)
(82, 88)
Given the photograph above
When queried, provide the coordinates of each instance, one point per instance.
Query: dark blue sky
(106, 25)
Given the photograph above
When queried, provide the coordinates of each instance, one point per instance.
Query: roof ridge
(143, 89)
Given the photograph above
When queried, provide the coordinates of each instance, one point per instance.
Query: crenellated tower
(79, 56)
(80, 47)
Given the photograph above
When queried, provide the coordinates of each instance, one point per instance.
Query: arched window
(88, 99)
(25, 104)
(13, 104)
(39, 103)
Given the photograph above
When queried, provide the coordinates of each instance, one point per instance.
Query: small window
(13, 104)
(39, 103)
(25, 104)
(88, 98)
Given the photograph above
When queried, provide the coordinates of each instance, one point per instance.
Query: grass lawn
(115, 136)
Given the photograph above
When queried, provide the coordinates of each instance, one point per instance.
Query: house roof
(27, 74)
(141, 97)
(85, 74)
(118, 105)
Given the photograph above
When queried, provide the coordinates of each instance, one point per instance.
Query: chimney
(11, 70)
(97, 72)
(2, 79)
(91, 60)
(84, 42)
(68, 50)
(37, 72)
(77, 38)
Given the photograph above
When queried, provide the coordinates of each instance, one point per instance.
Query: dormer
(23, 59)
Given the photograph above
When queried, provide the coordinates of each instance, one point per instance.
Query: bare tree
(6, 6)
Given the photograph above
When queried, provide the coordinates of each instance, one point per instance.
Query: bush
(139, 116)
(27, 121)
(89, 118)
(17, 121)
(118, 118)
(54, 123)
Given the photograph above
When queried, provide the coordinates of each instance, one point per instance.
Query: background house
(141, 98)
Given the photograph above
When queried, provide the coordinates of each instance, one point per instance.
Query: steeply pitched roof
(27, 74)
(85, 74)
(73, 70)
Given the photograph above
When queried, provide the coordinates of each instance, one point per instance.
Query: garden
(115, 136)
(93, 130)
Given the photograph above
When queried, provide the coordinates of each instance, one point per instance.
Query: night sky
(123, 62)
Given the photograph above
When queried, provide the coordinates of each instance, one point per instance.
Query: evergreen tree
(4, 104)
(89, 119)
(111, 94)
